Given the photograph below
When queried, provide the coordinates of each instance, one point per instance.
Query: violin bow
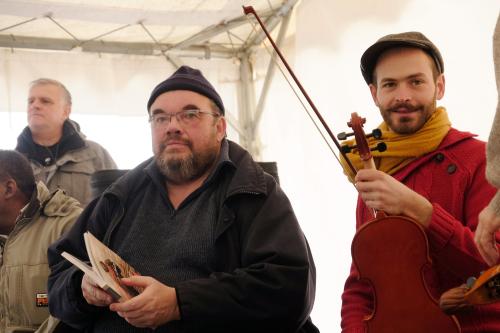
(250, 10)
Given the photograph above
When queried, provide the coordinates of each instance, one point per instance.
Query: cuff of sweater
(495, 204)
(440, 229)
(178, 303)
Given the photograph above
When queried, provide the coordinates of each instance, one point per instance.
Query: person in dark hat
(214, 238)
(430, 172)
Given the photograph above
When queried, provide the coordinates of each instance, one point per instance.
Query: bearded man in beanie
(214, 238)
(430, 172)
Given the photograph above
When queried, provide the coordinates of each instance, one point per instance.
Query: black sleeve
(66, 301)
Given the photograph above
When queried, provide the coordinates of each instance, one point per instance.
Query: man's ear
(221, 128)
(10, 188)
(373, 91)
(440, 86)
(67, 110)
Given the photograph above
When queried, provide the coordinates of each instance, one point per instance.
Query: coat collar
(453, 137)
(247, 176)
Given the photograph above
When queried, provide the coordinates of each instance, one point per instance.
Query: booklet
(107, 269)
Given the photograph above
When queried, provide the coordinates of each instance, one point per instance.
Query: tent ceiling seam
(49, 16)
(19, 24)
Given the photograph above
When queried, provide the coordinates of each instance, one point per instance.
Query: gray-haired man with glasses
(213, 236)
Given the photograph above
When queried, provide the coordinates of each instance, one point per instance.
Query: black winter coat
(265, 276)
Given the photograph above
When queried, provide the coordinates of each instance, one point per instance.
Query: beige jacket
(73, 170)
(493, 147)
(24, 268)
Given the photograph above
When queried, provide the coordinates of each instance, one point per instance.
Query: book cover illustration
(107, 269)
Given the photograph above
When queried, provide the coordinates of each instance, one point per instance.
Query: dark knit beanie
(187, 78)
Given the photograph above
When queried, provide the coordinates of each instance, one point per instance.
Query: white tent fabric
(110, 93)
(111, 88)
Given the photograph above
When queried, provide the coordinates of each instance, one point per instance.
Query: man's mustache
(407, 106)
(174, 137)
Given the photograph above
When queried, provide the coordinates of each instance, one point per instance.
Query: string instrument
(390, 252)
(477, 291)
(485, 289)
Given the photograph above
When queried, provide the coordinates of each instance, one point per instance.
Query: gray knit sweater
(493, 148)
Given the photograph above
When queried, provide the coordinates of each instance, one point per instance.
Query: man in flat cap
(430, 172)
(213, 236)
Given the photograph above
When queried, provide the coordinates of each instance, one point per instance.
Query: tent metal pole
(246, 108)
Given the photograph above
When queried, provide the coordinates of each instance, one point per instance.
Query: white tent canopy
(172, 30)
(110, 80)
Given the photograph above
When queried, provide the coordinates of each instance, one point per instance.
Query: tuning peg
(344, 135)
(376, 133)
(347, 149)
(381, 146)
(470, 282)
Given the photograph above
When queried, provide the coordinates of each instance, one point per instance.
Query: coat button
(439, 157)
(451, 168)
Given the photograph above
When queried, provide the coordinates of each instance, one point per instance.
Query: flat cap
(409, 39)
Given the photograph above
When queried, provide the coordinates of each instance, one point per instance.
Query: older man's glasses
(185, 117)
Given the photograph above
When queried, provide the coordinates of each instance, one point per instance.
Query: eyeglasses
(185, 117)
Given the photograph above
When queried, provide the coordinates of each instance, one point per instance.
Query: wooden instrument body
(391, 254)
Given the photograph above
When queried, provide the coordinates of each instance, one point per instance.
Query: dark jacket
(265, 275)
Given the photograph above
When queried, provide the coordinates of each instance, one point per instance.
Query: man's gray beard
(179, 171)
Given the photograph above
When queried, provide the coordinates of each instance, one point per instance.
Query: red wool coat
(452, 178)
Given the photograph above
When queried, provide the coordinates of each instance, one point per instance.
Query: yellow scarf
(402, 148)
